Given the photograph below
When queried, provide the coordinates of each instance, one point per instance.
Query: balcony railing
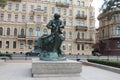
(59, 4)
(115, 36)
(32, 37)
(78, 16)
(21, 36)
(89, 41)
(81, 28)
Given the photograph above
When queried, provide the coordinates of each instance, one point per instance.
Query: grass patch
(106, 62)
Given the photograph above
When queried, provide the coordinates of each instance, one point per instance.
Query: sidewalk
(22, 71)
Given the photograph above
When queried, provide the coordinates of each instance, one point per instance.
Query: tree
(109, 5)
(3, 3)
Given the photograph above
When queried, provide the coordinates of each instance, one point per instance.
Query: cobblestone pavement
(22, 71)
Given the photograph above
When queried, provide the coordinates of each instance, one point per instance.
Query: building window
(24, 7)
(30, 45)
(53, 10)
(58, 1)
(64, 47)
(70, 12)
(78, 3)
(59, 11)
(78, 35)
(69, 46)
(70, 35)
(17, 7)
(53, 1)
(8, 31)
(22, 32)
(78, 23)
(45, 32)
(38, 18)
(0, 44)
(31, 18)
(9, 6)
(83, 13)
(83, 35)
(70, 23)
(14, 44)
(1, 30)
(65, 1)
(9, 17)
(65, 11)
(38, 31)
(44, 19)
(118, 44)
(23, 18)
(30, 31)
(38, 7)
(64, 21)
(45, 9)
(16, 18)
(32, 8)
(118, 30)
(21, 45)
(83, 23)
(82, 46)
(15, 32)
(78, 13)
(2, 17)
(70, 2)
(83, 4)
(7, 44)
(78, 46)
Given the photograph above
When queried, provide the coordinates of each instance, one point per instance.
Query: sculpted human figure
(56, 25)
(49, 45)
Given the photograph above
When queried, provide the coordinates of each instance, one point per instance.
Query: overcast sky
(97, 4)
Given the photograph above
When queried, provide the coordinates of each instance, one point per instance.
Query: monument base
(56, 68)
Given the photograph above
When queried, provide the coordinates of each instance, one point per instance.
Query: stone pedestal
(55, 68)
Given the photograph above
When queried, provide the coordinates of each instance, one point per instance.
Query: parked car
(32, 53)
(96, 54)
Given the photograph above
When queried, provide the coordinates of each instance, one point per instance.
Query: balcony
(81, 28)
(115, 36)
(15, 0)
(32, 38)
(88, 41)
(78, 16)
(65, 5)
(21, 37)
(37, 12)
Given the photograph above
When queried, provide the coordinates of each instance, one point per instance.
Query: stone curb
(109, 68)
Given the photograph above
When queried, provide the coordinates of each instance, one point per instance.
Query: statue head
(56, 16)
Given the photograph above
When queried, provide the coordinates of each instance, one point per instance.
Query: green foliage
(3, 3)
(7, 55)
(106, 62)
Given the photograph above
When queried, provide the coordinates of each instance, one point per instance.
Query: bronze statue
(49, 45)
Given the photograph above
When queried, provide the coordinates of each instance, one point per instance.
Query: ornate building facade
(23, 21)
(108, 36)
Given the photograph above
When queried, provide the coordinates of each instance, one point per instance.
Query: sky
(97, 4)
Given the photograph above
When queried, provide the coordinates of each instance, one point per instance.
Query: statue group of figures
(49, 45)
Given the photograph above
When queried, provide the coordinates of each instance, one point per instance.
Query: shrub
(106, 62)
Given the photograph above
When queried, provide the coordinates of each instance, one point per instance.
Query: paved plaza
(22, 71)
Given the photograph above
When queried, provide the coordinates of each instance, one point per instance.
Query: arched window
(1, 30)
(30, 31)
(118, 30)
(22, 31)
(15, 32)
(37, 31)
(78, 35)
(70, 35)
(83, 3)
(8, 31)
(45, 32)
